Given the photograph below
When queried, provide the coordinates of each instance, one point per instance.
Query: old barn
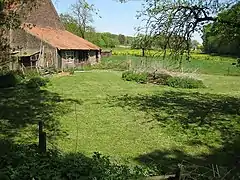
(43, 41)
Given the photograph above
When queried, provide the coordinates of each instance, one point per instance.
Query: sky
(117, 18)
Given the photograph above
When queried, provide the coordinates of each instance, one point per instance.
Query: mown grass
(152, 125)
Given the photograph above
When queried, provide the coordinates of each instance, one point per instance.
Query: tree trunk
(143, 52)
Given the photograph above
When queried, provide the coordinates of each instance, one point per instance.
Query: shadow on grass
(194, 119)
(25, 162)
(21, 109)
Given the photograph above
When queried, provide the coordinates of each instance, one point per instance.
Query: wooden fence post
(42, 144)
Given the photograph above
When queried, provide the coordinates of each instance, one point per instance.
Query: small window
(68, 54)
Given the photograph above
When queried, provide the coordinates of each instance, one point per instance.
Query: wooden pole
(40, 127)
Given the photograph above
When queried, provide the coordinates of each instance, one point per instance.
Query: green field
(150, 125)
(199, 63)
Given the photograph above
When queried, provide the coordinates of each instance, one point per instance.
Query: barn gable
(44, 15)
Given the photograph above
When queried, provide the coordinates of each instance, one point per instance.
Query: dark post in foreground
(42, 144)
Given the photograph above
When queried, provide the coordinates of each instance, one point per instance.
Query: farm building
(43, 41)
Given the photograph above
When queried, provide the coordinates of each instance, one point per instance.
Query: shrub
(10, 79)
(163, 79)
(158, 78)
(138, 77)
(37, 82)
(26, 163)
(184, 82)
(31, 73)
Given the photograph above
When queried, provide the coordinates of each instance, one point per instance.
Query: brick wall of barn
(44, 15)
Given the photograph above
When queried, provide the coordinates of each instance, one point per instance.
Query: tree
(142, 42)
(221, 39)
(121, 39)
(180, 19)
(83, 13)
(101, 39)
(70, 23)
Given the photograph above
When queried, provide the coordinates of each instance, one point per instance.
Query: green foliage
(104, 40)
(31, 73)
(133, 76)
(158, 78)
(121, 39)
(221, 38)
(163, 79)
(27, 163)
(142, 42)
(37, 82)
(70, 24)
(10, 79)
(184, 82)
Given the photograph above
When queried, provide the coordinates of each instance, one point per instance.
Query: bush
(163, 79)
(37, 82)
(31, 73)
(27, 163)
(138, 77)
(158, 78)
(10, 79)
(184, 82)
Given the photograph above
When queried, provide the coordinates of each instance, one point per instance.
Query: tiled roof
(61, 39)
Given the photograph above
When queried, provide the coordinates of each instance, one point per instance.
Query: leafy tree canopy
(221, 39)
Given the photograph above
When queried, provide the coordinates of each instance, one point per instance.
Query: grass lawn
(148, 124)
(154, 126)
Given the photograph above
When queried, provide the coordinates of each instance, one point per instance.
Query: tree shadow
(193, 118)
(23, 161)
(222, 163)
(21, 109)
